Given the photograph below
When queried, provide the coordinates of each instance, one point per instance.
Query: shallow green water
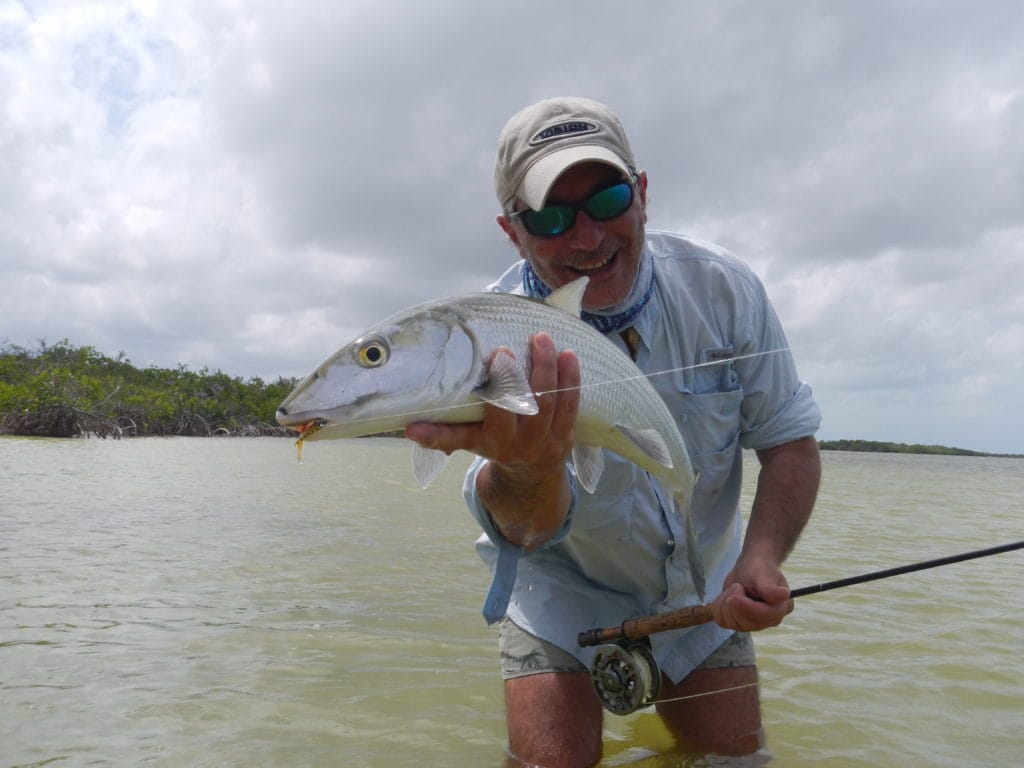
(208, 602)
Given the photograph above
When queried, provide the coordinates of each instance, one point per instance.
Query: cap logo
(563, 130)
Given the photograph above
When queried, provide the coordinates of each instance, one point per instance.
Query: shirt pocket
(711, 429)
(710, 425)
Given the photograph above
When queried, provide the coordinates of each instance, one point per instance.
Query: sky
(245, 186)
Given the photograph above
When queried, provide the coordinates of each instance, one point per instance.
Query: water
(210, 602)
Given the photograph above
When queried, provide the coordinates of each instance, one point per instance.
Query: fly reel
(626, 677)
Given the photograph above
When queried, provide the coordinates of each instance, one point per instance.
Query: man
(574, 203)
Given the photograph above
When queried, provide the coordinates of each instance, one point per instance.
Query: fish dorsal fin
(649, 441)
(589, 463)
(507, 387)
(427, 464)
(569, 298)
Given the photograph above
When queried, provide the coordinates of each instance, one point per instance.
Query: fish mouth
(308, 428)
(305, 430)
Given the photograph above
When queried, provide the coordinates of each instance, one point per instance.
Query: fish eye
(373, 353)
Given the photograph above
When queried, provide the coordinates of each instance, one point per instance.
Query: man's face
(608, 252)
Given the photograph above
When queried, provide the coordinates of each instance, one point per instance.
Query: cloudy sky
(245, 185)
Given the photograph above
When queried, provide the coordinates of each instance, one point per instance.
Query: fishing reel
(626, 677)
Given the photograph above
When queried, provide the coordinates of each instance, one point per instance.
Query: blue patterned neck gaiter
(613, 319)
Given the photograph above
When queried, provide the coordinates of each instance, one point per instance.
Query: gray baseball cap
(539, 143)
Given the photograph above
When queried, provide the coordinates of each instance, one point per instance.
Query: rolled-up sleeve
(483, 516)
(777, 406)
(503, 556)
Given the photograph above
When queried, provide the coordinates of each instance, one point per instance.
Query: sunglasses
(604, 205)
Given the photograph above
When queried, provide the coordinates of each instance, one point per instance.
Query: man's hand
(512, 439)
(524, 485)
(756, 596)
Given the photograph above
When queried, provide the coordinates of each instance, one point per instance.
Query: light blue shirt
(715, 351)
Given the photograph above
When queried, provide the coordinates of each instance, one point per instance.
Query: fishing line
(625, 673)
(723, 361)
(851, 661)
(652, 374)
(702, 694)
(694, 615)
(848, 661)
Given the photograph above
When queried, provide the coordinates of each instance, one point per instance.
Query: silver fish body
(431, 363)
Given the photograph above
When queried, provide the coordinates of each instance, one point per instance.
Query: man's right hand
(524, 485)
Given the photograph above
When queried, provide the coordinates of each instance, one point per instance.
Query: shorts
(523, 654)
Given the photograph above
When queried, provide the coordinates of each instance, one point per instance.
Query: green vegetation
(60, 390)
(64, 391)
(874, 446)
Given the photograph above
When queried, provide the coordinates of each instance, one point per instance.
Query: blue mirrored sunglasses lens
(601, 206)
(609, 203)
(552, 220)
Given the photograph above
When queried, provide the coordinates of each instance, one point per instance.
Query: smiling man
(574, 203)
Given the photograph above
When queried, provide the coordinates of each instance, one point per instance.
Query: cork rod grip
(635, 629)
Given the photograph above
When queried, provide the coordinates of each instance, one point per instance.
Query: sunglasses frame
(575, 208)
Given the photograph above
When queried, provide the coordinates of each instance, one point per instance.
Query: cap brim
(538, 180)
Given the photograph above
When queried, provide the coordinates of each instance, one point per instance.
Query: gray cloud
(245, 185)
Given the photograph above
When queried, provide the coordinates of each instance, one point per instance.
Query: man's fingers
(735, 609)
(445, 437)
(544, 369)
(742, 613)
(568, 399)
(422, 432)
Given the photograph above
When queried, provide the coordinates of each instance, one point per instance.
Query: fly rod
(636, 629)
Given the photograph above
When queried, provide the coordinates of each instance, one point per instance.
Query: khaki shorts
(523, 654)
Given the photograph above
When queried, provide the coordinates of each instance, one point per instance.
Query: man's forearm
(787, 486)
(527, 507)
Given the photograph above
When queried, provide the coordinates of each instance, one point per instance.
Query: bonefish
(435, 362)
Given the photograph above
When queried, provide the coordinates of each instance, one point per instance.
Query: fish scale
(612, 389)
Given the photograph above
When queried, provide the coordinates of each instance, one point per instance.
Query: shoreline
(878, 446)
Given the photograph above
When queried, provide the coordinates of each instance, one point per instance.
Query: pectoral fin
(427, 464)
(589, 463)
(650, 442)
(507, 387)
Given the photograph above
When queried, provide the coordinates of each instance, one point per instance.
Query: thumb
(422, 432)
(773, 594)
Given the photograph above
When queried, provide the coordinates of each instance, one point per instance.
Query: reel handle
(636, 629)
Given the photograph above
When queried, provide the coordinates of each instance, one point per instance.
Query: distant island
(875, 446)
(60, 390)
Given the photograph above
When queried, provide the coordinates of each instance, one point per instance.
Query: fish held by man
(436, 362)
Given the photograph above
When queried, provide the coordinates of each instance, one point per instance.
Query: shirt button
(671, 542)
